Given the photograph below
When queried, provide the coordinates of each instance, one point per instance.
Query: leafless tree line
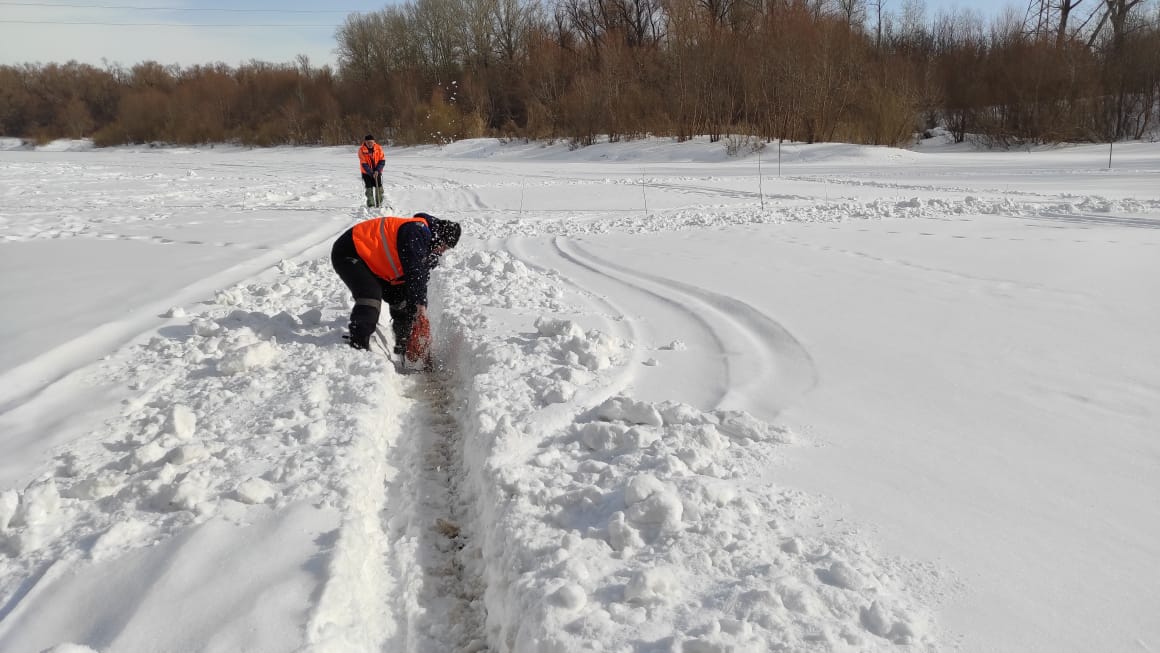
(806, 70)
(257, 103)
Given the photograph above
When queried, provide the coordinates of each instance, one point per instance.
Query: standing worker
(372, 161)
(389, 260)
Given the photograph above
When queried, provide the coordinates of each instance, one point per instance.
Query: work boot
(370, 197)
(378, 196)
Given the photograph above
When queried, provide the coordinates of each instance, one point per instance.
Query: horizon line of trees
(432, 71)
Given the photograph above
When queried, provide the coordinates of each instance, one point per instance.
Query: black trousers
(369, 291)
(370, 182)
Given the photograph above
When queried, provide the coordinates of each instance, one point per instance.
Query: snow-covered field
(874, 399)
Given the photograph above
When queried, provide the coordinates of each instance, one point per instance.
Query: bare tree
(853, 11)
(879, 6)
(1065, 8)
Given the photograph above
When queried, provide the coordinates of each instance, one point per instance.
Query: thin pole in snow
(523, 184)
(1110, 143)
(760, 187)
(779, 157)
(642, 193)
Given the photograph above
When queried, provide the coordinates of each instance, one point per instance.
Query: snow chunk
(602, 436)
(621, 534)
(651, 586)
(38, 505)
(740, 425)
(675, 412)
(800, 598)
(254, 490)
(662, 509)
(624, 409)
(146, 455)
(569, 597)
(182, 421)
(573, 375)
(205, 327)
(879, 620)
(187, 454)
(9, 502)
(558, 328)
(187, 494)
(594, 361)
(247, 358)
(230, 297)
(641, 487)
(120, 536)
(558, 393)
(841, 575)
(98, 486)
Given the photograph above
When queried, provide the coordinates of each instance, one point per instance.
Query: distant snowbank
(649, 151)
(9, 144)
(653, 150)
(67, 145)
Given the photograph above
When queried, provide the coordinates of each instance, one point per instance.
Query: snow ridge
(351, 614)
(1086, 209)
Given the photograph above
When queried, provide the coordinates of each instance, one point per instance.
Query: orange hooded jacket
(376, 242)
(371, 159)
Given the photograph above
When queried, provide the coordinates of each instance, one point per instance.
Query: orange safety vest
(376, 242)
(369, 160)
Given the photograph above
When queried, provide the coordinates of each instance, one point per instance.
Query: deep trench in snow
(448, 611)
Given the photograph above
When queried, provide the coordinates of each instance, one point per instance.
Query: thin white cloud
(50, 39)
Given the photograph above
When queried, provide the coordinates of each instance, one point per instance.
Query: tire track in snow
(700, 329)
(766, 364)
(618, 321)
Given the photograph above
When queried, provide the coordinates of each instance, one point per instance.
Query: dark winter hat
(447, 232)
(368, 137)
(443, 232)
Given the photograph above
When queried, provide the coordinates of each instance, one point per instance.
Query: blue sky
(171, 31)
(175, 31)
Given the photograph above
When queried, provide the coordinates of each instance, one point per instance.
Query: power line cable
(103, 24)
(42, 5)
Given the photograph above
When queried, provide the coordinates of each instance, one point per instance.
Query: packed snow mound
(600, 517)
(66, 145)
(246, 412)
(649, 149)
(8, 144)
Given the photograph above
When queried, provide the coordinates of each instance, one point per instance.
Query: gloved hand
(419, 343)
